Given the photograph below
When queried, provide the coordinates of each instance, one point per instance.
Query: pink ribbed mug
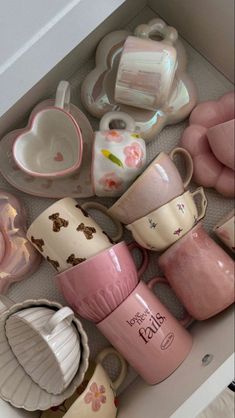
(147, 335)
(97, 286)
(200, 272)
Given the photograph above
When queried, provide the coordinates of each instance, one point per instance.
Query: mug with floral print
(119, 156)
(96, 397)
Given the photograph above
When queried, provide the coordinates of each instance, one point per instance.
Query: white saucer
(77, 185)
(16, 386)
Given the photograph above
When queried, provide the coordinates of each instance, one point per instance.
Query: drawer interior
(210, 84)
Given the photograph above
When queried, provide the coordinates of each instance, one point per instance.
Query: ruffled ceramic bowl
(208, 170)
(16, 386)
(18, 258)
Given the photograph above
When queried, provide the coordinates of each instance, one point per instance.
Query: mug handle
(204, 202)
(105, 353)
(188, 163)
(103, 209)
(188, 319)
(62, 98)
(157, 26)
(145, 258)
(59, 316)
(110, 116)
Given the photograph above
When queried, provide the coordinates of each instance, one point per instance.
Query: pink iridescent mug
(97, 286)
(200, 272)
(147, 335)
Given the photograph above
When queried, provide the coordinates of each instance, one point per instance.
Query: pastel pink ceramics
(51, 145)
(18, 258)
(97, 286)
(147, 335)
(119, 155)
(204, 121)
(200, 272)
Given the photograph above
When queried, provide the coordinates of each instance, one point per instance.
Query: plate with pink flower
(78, 184)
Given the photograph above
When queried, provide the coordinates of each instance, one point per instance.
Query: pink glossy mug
(200, 272)
(147, 335)
(95, 287)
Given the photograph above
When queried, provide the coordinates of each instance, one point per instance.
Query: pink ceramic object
(225, 230)
(208, 170)
(97, 286)
(200, 272)
(18, 258)
(147, 335)
(221, 140)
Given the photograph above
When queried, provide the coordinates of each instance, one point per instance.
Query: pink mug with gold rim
(95, 287)
(147, 335)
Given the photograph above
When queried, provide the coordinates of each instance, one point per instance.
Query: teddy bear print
(38, 243)
(84, 212)
(74, 261)
(88, 231)
(54, 263)
(58, 222)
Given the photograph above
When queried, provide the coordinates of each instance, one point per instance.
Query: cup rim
(160, 209)
(133, 185)
(54, 174)
(223, 221)
(67, 271)
(43, 338)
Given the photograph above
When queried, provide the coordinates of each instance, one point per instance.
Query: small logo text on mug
(147, 333)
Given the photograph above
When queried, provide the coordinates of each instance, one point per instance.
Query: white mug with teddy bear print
(66, 235)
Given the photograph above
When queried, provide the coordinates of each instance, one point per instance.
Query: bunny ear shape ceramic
(18, 258)
(99, 85)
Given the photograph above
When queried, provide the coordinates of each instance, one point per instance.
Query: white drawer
(61, 45)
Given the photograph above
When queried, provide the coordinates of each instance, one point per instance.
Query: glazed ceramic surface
(157, 185)
(221, 140)
(149, 337)
(16, 386)
(51, 145)
(77, 184)
(225, 230)
(162, 227)
(200, 272)
(18, 258)
(97, 286)
(147, 69)
(208, 171)
(46, 345)
(98, 88)
(97, 396)
(66, 235)
(119, 156)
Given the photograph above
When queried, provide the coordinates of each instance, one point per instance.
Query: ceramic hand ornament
(18, 258)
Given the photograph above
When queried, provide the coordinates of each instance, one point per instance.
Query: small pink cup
(200, 272)
(97, 286)
(147, 335)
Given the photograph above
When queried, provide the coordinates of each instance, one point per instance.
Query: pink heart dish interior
(51, 146)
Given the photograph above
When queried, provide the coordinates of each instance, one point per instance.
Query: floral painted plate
(98, 89)
(77, 185)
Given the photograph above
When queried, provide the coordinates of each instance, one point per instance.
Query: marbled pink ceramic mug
(200, 272)
(158, 184)
(147, 67)
(147, 335)
(97, 286)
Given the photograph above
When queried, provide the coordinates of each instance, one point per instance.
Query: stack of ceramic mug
(100, 281)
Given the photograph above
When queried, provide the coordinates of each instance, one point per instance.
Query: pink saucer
(77, 184)
(18, 258)
(208, 170)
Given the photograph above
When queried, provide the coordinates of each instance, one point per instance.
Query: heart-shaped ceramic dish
(51, 146)
(18, 258)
